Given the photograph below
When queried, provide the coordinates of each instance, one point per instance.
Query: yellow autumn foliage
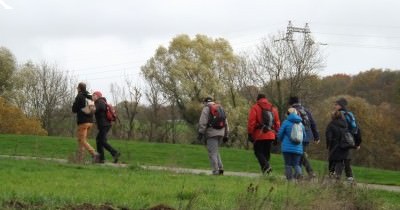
(14, 121)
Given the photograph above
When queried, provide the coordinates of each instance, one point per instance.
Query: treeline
(179, 76)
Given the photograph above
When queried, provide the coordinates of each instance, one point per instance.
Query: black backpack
(267, 120)
(217, 118)
(347, 139)
(301, 111)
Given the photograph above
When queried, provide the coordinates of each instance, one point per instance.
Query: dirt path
(191, 171)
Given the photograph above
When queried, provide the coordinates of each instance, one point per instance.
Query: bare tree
(130, 96)
(157, 99)
(282, 66)
(42, 91)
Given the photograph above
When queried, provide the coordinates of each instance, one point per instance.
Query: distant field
(188, 156)
(48, 185)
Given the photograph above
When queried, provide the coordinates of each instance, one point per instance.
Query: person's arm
(313, 126)
(277, 122)
(281, 131)
(100, 106)
(77, 104)
(252, 121)
(203, 120)
(329, 136)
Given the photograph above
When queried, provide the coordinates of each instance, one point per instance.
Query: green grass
(48, 185)
(178, 155)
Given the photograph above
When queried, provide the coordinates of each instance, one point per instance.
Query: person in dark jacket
(85, 123)
(338, 156)
(311, 132)
(103, 125)
(341, 106)
(292, 152)
(261, 138)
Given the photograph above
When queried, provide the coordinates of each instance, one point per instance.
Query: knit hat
(293, 100)
(208, 99)
(342, 102)
(98, 93)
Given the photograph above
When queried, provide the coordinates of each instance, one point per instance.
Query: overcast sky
(102, 41)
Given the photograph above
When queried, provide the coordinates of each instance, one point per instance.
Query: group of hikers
(295, 134)
(86, 106)
(264, 130)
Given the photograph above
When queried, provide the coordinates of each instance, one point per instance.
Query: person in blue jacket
(292, 152)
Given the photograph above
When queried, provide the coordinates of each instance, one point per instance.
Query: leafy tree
(191, 69)
(7, 68)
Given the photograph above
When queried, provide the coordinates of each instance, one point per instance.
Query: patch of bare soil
(161, 207)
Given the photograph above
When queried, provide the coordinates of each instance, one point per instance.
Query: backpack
(89, 108)
(267, 120)
(217, 118)
(296, 134)
(301, 111)
(351, 122)
(111, 113)
(347, 140)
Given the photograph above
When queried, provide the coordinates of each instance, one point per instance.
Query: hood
(294, 118)
(340, 123)
(264, 103)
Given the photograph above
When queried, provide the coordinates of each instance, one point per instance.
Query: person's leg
(100, 139)
(220, 165)
(260, 152)
(306, 163)
(338, 168)
(331, 168)
(297, 165)
(288, 167)
(267, 150)
(212, 148)
(106, 145)
(85, 130)
(347, 169)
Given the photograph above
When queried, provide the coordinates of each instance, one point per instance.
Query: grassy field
(29, 184)
(188, 156)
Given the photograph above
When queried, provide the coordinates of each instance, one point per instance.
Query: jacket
(284, 135)
(255, 118)
(209, 131)
(79, 103)
(101, 110)
(333, 137)
(311, 131)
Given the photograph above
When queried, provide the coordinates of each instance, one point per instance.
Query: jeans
(101, 143)
(213, 153)
(262, 150)
(292, 161)
(83, 130)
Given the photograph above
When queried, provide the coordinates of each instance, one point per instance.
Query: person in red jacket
(262, 137)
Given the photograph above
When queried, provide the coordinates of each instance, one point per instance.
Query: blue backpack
(351, 122)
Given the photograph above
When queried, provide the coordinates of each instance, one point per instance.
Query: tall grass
(48, 185)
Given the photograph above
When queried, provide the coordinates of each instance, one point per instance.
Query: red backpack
(111, 113)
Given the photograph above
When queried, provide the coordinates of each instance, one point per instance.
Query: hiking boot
(116, 157)
(350, 180)
(312, 175)
(96, 158)
(268, 170)
(221, 171)
(332, 175)
(216, 173)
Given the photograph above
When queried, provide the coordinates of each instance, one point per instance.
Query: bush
(13, 121)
